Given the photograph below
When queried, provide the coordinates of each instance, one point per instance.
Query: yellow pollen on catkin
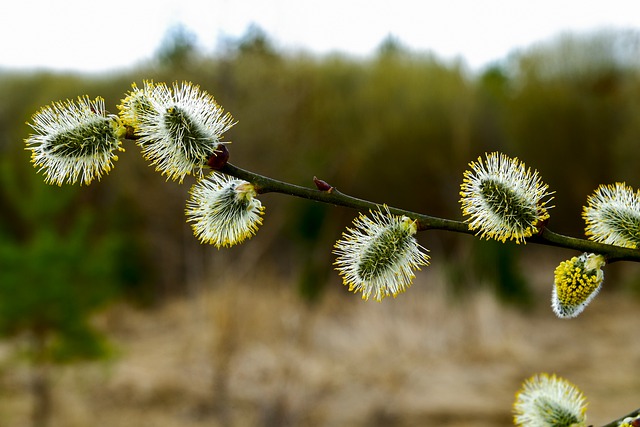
(573, 284)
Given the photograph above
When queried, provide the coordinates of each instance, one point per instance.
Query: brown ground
(254, 355)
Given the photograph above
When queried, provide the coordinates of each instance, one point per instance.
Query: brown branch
(332, 196)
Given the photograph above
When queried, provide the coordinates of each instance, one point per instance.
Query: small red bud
(219, 158)
(636, 422)
(322, 185)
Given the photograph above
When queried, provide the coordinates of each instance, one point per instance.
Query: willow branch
(615, 423)
(332, 196)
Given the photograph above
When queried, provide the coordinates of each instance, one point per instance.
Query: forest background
(400, 128)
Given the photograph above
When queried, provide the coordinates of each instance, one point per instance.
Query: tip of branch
(219, 158)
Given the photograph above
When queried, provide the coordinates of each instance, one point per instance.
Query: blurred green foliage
(57, 267)
(399, 128)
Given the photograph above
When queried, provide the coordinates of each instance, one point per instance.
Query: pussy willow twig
(546, 237)
(616, 423)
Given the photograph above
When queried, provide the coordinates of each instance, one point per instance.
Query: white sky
(90, 35)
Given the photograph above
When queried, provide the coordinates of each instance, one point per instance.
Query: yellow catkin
(573, 284)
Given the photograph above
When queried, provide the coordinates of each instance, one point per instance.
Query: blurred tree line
(399, 127)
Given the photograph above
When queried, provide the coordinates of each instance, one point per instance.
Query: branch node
(322, 185)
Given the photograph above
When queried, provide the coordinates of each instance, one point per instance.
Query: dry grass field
(252, 354)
